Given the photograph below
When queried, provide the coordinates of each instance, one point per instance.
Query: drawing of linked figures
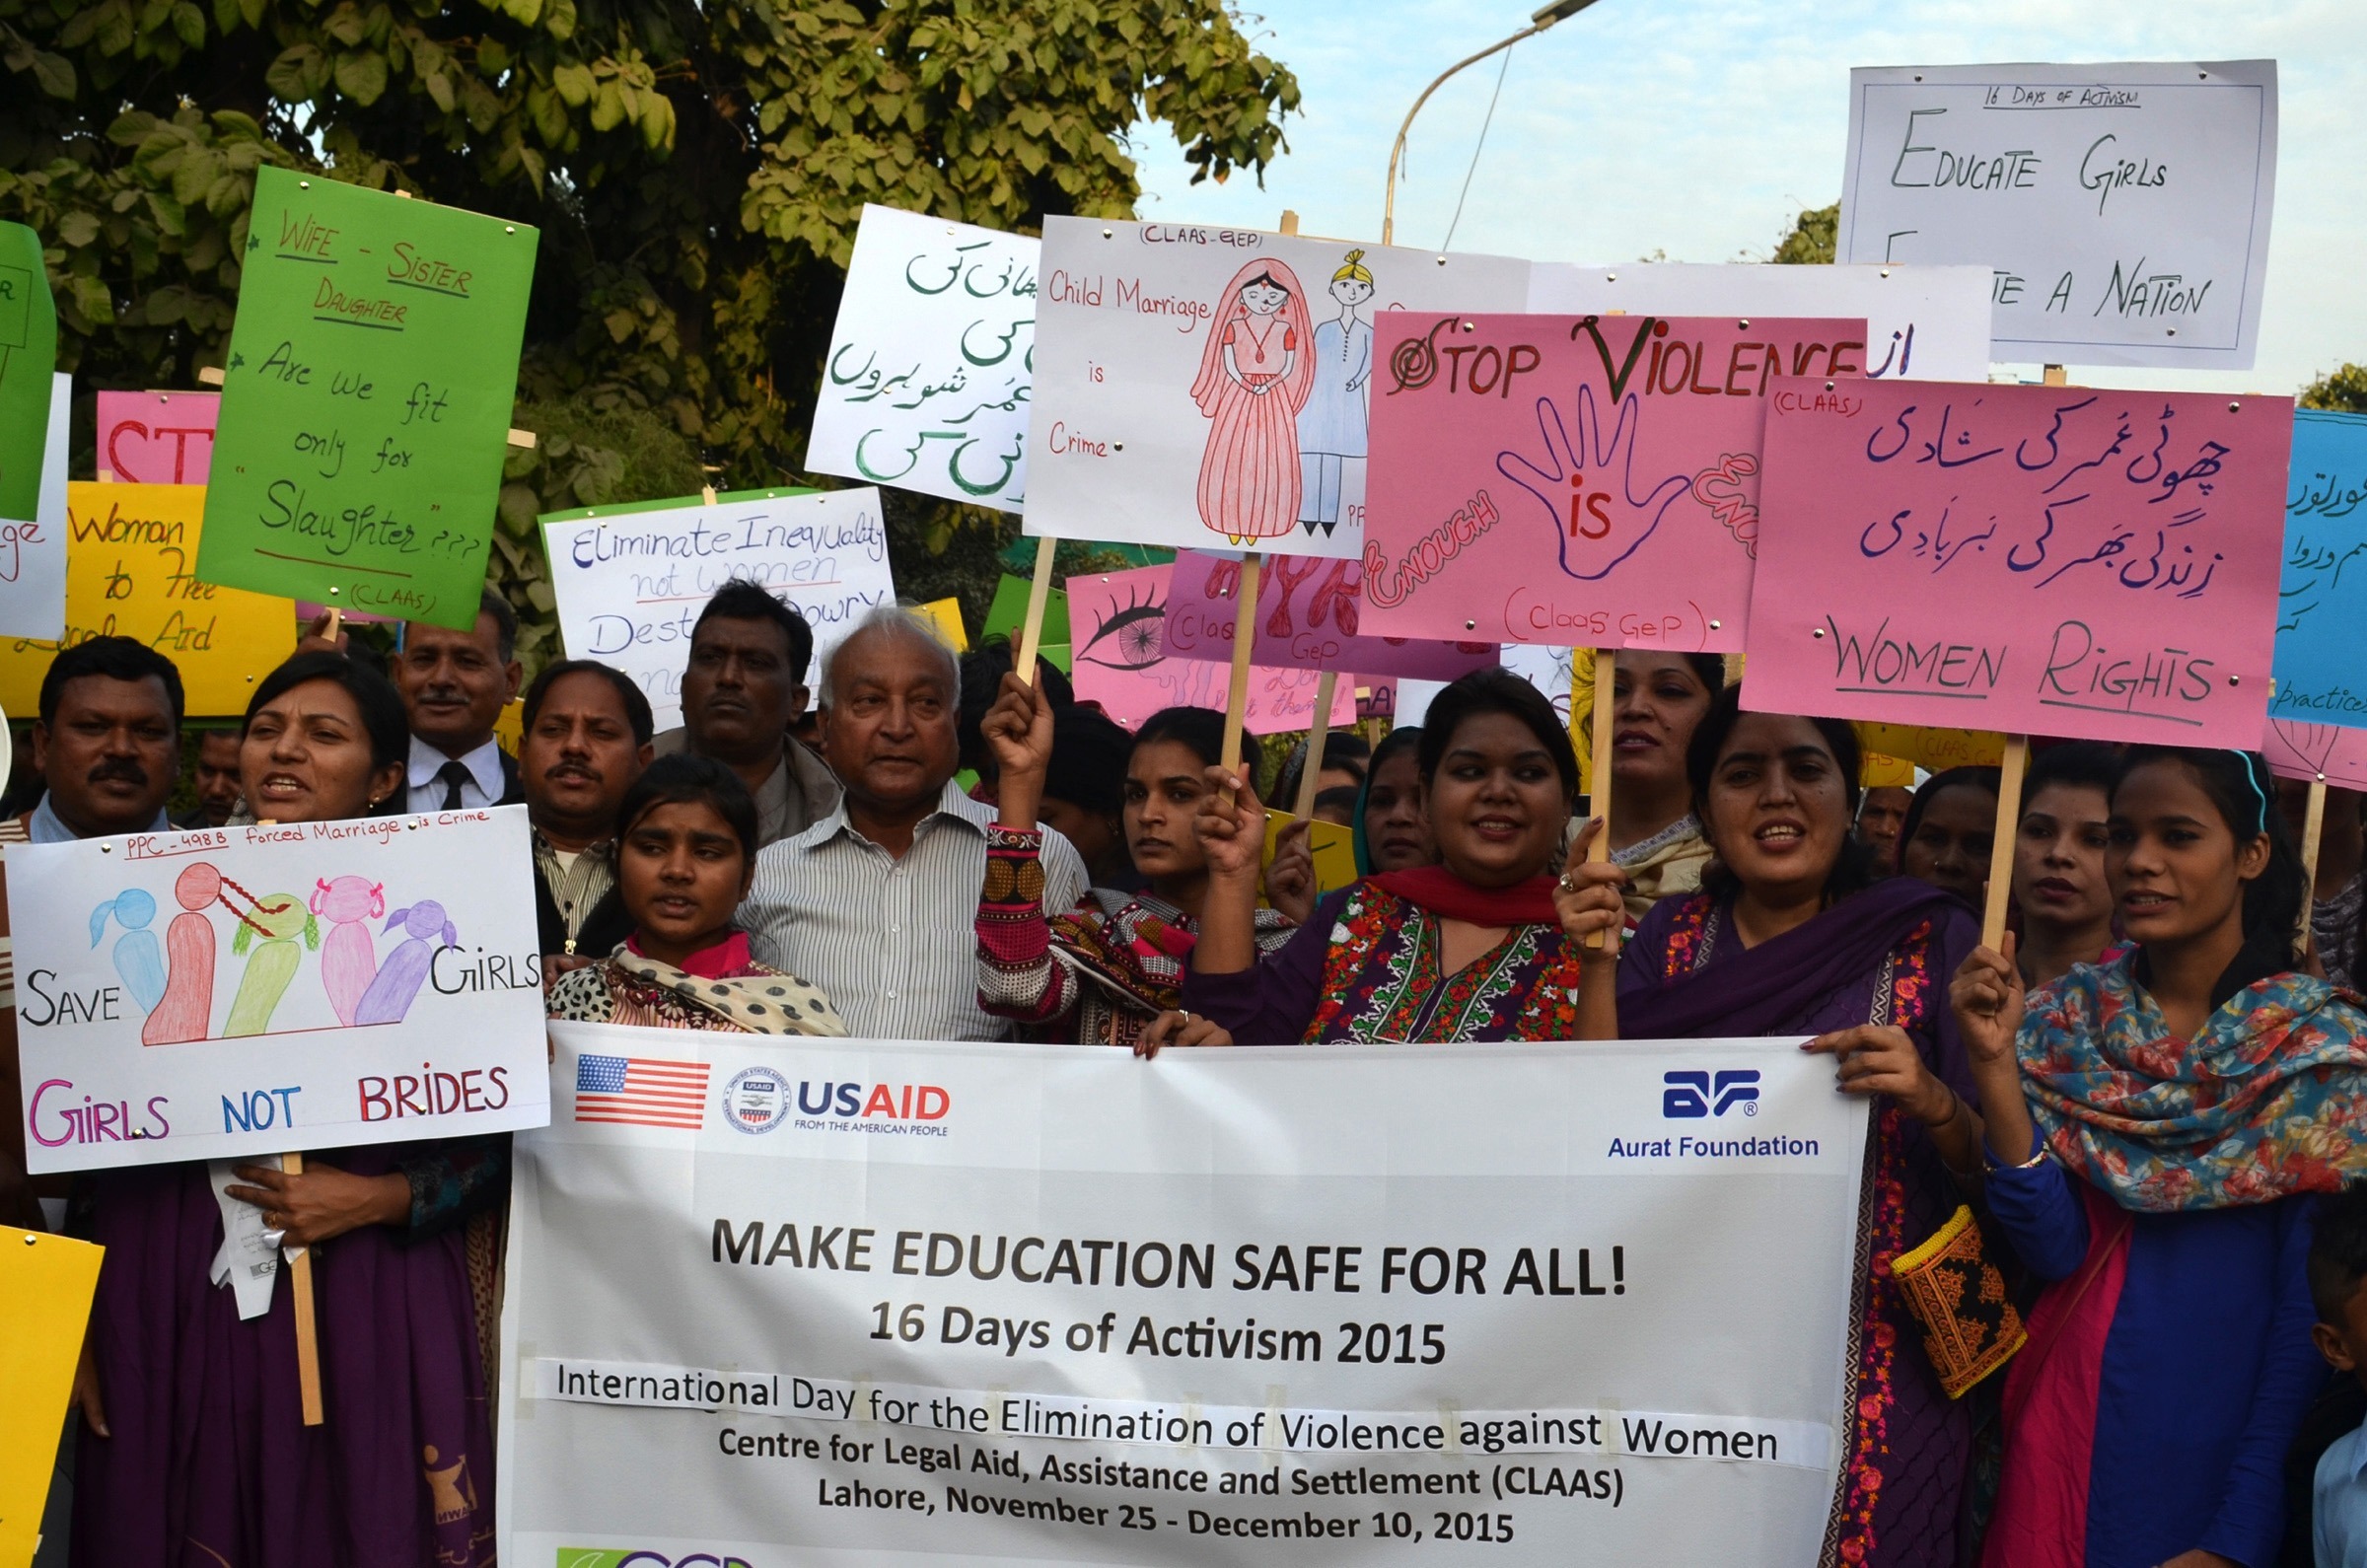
(270, 929)
(1332, 427)
(1255, 375)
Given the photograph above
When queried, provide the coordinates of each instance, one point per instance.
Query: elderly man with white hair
(877, 904)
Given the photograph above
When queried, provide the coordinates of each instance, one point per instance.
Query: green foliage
(2344, 389)
(1813, 239)
(696, 168)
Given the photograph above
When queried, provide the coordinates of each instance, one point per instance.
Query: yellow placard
(1876, 772)
(947, 614)
(509, 730)
(131, 559)
(1935, 749)
(45, 1288)
(1334, 849)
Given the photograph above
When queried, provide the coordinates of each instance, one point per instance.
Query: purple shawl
(1769, 989)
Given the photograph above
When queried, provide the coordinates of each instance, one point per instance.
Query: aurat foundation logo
(642, 1557)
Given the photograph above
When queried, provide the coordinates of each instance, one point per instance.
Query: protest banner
(32, 549)
(157, 437)
(1628, 444)
(2316, 754)
(1364, 1304)
(926, 386)
(631, 584)
(2123, 208)
(2326, 535)
(366, 405)
(1198, 386)
(1118, 631)
(28, 371)
(130, 572)
(1922, 323)
(2021, 559)
(1309, 617)
(47, 1283)
(239, 990)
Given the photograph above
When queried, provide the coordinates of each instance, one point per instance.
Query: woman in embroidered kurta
(2155, 1124)
(1101, 972)
(1791, 935)
(686, 839)
(1470, 949)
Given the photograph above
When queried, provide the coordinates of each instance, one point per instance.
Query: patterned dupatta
(722, 987)
(1134, 947)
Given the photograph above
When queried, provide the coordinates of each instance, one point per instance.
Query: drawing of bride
(1255, 371)
(1331, 425)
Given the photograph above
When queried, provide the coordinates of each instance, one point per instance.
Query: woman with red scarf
(1470, 949)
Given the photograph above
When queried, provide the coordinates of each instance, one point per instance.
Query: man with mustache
(454, 685)
(585, 740)
(877, 904)
(744, 691)
(216, 777)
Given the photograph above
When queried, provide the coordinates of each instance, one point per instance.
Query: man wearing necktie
(454, 685)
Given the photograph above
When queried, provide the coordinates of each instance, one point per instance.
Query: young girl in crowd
(1101, 972)
(1951, 826)
(1391, 831)
(2155, 1126)
(1790, 934)
(687, 841)
(194, 1447)
(1658, 700)
(2059, 886)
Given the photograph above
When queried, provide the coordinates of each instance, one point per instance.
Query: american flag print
(641, 1091)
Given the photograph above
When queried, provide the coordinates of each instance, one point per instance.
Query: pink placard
(1117, 625)
(1308, 618)
(157, 437)
(1578, 480)
(2332, 752)
(2048, 559)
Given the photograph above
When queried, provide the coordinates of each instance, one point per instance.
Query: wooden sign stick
(300, 1277)
(1245, 631)
(2001, 845)
(1030, 630)
(2313, 835)
(1599, 801)
(1318, 732)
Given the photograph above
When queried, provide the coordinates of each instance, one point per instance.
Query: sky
(1700, 130)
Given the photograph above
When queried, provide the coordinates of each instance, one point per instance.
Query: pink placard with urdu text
(2329, 752)
(1576, 480)
(2055, 560)
(158, 437)
(1117, 623)
(1309, 617)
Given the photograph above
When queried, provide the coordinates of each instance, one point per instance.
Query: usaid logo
(757, 1099)
(1693, 1093)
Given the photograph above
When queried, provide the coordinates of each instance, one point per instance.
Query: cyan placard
(2320, 672)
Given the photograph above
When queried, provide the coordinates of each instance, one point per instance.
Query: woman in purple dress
(1791, 935)
(193, 1447)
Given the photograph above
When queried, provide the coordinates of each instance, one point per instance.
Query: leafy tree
(2344, 389)
(1814, 236)
(696, 168)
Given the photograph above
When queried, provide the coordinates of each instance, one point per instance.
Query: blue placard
(2321, 658)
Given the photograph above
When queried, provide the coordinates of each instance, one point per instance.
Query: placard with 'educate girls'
(244, 990)
(2026, 559)
(1587, 481)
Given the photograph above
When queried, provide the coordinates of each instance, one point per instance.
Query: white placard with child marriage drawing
(2123, 208)
(1202, 386)
(926, 387)
(1923, 323)
(631, 584)
(244, 990)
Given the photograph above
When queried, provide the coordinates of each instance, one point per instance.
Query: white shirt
(482, 787)
(892, 942)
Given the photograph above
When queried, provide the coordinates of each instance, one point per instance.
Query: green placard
(366, 405)
(28, 360)
(722, 498)
(1010, 608)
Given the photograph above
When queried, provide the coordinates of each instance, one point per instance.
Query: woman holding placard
(686, 839)
(193, 1446)
(1792, 933)
(2155, 1125)
(1658, 699)
(1470, 949)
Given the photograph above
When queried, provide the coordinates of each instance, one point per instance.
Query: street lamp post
(1539, 19)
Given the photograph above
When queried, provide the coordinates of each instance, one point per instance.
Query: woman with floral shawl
(687, 841)
(2155, 1125)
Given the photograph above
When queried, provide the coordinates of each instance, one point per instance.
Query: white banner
(2123, 208)
(1923, 323)
(913, 1304)
(631, 584)
(33, 550)
(926, 387)
(246, 990)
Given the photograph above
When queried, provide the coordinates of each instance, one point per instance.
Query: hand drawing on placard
(1254, 374)
(1331, 425)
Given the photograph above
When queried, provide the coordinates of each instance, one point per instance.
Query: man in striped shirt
(877, 904)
